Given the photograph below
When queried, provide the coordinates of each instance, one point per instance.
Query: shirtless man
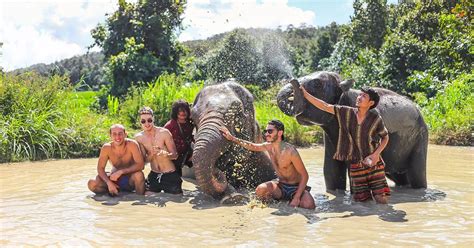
(291, 172)
(127, 165)
(158, 148)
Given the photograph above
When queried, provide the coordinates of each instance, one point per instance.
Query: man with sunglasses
(292, 175)
(158, 148)
(127, 165)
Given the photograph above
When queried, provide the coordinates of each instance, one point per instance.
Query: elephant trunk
(290, 99)
(208, 148)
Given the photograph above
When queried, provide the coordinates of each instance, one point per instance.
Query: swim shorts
(289, 190)
(169, 182)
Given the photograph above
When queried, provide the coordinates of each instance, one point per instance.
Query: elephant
(221, 166)
(404, 156)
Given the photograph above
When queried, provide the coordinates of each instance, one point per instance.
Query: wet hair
(279, 126)
(116, 126)
(178, 106)
(145, 111)
(373, 95)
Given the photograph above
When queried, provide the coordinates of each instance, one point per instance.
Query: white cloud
(44, 31)
(26, 45)
(201, 21)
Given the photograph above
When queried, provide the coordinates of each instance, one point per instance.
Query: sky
(44, 31)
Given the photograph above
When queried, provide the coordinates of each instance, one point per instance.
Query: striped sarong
(367, 181)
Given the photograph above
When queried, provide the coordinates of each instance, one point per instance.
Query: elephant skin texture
(220, 165)
(406, 152)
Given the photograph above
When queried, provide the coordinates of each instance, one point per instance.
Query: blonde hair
(145, 110)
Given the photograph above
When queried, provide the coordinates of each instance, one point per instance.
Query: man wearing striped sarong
(362, 137)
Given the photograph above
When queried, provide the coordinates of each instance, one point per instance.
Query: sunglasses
(269, 131)
(143, 121)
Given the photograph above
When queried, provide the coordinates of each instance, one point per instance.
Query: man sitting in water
(292, 174)
(127, 165)
(158, 148)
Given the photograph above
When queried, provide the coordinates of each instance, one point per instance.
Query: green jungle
(420, 49)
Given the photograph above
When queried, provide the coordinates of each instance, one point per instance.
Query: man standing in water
(362, 137)
(127, 165)
(291, 172)
(158, 148)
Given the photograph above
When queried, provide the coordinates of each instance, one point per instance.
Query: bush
(159, 95)
(295, 133)
(449, 114)
(44, 118)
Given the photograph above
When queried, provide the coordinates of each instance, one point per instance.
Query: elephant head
(326, 86)
(230, 105)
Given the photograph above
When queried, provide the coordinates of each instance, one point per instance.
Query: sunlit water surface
(48, 203)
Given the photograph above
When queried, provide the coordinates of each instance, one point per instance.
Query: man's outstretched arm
(317, 102)
(245, 144)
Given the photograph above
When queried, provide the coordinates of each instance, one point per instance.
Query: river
(47, 203)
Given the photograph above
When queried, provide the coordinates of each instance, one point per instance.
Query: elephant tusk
(291, 98)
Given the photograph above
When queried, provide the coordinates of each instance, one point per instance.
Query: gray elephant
(221, 166)
(406, 152)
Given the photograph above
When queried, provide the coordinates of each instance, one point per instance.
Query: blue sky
(44, 31)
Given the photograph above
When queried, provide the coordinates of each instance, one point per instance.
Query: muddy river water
(48, 203)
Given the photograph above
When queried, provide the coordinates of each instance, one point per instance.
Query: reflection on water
(47, 203)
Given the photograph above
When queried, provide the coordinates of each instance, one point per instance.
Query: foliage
(236, 58)
(368, 26)
(295, 133)
(43, 118)
(139, 42)
(86, 70)
(450, 113)
(158, 95)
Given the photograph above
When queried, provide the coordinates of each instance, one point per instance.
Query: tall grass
(159, 95)
(44, 118)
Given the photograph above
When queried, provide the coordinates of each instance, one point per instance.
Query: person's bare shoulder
(290, 149)
(131, 142)
(164, 131)
(106, 148)
(139, 136)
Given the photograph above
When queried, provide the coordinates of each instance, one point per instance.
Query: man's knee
(264, 190)
(92, 184)
(307, 201)
(96, 186)
(138, 177)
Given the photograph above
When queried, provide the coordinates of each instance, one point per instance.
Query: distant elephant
(221, 166)
(406, 152)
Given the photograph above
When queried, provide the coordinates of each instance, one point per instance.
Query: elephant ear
(346, 85)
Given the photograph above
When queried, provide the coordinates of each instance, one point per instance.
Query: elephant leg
(334, 171)
(417, 165)
(399, 178)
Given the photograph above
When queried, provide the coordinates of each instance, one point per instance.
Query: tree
(369, 24)
(139, 41)
(236, 58)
